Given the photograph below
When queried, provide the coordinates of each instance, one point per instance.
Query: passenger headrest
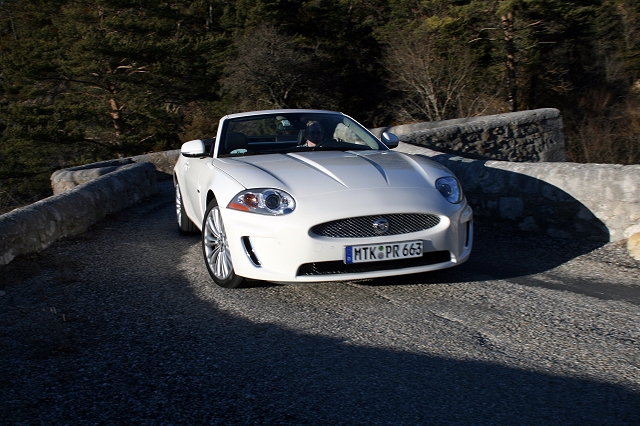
(236, 140)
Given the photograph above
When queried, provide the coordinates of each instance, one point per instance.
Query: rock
(633, 245)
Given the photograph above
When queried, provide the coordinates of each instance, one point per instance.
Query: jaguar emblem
(381, 225)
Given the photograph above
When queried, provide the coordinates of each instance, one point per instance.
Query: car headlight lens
(450, 189)
(264, 201)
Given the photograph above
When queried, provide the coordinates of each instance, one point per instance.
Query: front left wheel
(215, 249)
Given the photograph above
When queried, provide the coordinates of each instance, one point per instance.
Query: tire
(185, 225)
(215, 249)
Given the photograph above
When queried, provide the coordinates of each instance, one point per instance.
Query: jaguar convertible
(311, 196)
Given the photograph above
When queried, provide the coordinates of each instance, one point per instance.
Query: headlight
(263, 201)
(450, 189)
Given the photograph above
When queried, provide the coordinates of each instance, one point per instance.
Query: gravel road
(122, 325)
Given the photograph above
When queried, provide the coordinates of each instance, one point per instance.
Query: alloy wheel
(216, 247)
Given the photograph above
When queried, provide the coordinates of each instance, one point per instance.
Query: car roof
(280, 111)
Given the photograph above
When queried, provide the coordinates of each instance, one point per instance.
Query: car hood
(309, 173)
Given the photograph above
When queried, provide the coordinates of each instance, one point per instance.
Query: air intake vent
(248, 248)
(339, 267)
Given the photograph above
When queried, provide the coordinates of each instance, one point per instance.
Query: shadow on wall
(520, 203)
(153, 344)
(522, 226)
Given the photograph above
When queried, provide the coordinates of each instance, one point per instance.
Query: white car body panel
(326, 186)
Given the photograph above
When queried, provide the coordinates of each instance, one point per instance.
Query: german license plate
(378, 252)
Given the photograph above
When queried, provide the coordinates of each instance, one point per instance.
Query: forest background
(89, 80)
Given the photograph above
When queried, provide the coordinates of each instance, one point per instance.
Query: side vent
(469, 233)
(248, 248)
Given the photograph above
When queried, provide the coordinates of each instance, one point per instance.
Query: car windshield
(294, 132)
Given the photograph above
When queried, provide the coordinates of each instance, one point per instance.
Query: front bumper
(282, 249)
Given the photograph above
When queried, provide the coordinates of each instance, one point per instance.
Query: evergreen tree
(94, 79)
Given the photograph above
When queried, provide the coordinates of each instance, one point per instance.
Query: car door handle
(186, 166)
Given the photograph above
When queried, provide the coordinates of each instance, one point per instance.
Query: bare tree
(507, 19)
(435, 84)
(270, 71)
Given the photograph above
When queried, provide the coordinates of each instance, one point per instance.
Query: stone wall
(526, 136)
(66, 179)
(83, 196)
(598, 202)
(562, 200)
(35, 227)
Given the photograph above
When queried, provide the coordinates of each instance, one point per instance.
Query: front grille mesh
(362, 227)
(339, 267)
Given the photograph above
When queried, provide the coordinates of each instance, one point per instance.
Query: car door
(191, 190)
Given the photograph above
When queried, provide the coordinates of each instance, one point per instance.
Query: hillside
(84, 81)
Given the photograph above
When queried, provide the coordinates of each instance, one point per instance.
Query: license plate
(378, 252)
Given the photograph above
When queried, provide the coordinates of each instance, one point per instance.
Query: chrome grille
(363, 227)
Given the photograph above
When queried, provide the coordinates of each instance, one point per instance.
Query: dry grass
(605, 134)
(11, 200)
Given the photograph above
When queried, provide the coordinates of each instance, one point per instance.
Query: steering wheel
(329, 142)
(321, 143)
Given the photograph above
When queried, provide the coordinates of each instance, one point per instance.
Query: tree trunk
(116, 117)
(512, 85)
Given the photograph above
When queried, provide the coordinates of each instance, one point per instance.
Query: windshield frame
(281, 131)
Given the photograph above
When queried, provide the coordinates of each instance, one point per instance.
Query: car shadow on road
(149, 344)
(500, 254)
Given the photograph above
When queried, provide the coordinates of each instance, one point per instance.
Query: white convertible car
(307, 196)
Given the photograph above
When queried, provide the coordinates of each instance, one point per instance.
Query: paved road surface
(122, 325)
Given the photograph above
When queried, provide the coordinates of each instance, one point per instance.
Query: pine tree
(99, 79)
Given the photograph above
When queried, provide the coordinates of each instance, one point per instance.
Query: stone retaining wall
(526, 136)
(35, 227)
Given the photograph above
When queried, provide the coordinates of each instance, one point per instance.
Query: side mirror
(193, 149)
(390, 140)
